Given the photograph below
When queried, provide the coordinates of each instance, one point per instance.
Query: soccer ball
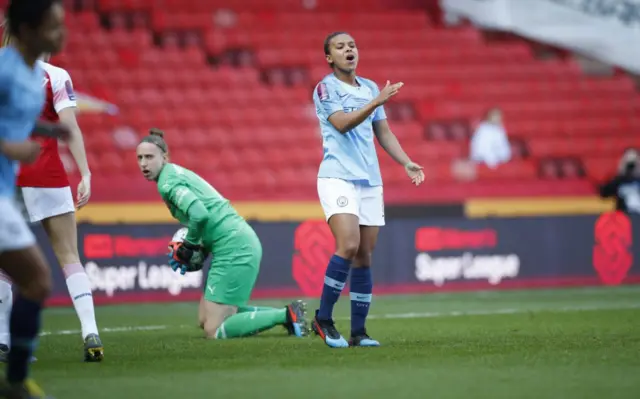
(180, 235)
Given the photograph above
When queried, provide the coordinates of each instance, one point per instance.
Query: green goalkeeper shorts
(234, 267)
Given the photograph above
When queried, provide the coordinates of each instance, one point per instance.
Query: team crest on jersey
(70, 93)
(342, 201)
(323, 92)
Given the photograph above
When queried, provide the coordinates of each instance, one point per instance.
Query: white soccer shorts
(14, 230)
(341, 196)
(42, 203)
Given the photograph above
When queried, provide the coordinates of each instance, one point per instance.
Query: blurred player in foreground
(350, 111)
(215, 227)
(45, 193)
(38, 27)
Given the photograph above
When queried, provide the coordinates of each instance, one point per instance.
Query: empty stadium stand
(231, 83)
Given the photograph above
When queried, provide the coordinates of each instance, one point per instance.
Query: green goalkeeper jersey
(197, 205)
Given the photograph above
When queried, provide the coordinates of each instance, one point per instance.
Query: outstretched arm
(389, 142)
(391, 145)
(331, 108)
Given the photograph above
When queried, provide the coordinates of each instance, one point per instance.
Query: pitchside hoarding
(128, 263)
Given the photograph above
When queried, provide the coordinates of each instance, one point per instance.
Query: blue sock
(334, 282)
(361, 289)
(24, 326)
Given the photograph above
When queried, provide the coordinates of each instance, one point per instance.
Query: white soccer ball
(180, 235)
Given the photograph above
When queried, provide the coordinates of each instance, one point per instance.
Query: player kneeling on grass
(214, 227)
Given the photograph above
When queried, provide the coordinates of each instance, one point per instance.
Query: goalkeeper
(214, 227)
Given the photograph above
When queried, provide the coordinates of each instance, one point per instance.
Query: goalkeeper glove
(186, 256)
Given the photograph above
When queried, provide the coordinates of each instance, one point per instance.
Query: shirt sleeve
(63, 94)
(197, 215)
(326, 100)
(179, 196)
(187, 203)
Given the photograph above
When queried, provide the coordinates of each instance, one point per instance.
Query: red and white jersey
(48, 170)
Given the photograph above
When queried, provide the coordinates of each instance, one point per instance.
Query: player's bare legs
(346, 230)
(215, 315)
(29, 271)
(63, 235)
(362, 287)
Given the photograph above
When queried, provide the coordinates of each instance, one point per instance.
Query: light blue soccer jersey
(350, 156)
(22, 97)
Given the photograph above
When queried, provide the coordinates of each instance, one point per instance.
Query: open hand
(388, 91)
(84, 191)
(414, 171)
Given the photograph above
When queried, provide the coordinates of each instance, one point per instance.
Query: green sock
(244, 309)
(251, 323)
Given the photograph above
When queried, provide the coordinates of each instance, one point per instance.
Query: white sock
(80, 291)
(6, 301)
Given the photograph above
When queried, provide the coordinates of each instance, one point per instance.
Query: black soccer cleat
(93, 348)
(326, 330)
(362, 339)
(296, 319)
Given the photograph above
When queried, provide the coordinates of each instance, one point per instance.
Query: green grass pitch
(573, 343)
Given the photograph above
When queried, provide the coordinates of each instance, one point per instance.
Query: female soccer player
(215, 227)
(38, 26)
(45, 193)
(350, 111)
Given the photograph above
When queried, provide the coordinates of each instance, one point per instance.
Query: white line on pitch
(413, 315)
(108, 329)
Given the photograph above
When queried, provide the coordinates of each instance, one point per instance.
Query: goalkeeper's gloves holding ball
(186, 256)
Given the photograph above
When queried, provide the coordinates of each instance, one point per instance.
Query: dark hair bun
(156, 132)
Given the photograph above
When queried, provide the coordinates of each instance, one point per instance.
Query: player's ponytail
(156, 136)
(154, 131)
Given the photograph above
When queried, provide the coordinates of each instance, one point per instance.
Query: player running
(215, 227)
(45, 193)
(38, 27)
(350, 111)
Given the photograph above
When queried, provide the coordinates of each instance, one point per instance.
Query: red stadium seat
(230, 117)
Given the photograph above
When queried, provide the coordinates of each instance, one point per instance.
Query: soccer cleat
(4, 354)
(362, 340)
(296, 319)
(327, 331)
(27, 390)
(93, 349)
